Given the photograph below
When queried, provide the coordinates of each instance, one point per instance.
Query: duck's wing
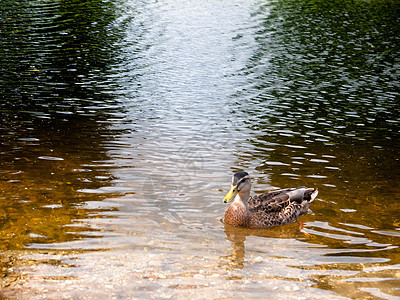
(280, 207)
(273, 201)
(276, 201)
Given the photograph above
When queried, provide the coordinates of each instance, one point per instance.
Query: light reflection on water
(117, 156)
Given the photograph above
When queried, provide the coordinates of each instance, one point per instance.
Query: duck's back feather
(277, 201)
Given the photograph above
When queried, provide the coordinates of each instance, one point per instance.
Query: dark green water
(121, 123)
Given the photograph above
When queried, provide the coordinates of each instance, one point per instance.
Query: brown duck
(265, 210)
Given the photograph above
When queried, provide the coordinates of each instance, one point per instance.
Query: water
(123, 121)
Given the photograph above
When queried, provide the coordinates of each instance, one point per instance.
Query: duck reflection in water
(237, 236)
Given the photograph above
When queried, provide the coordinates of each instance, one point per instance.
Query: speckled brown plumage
(269, 209)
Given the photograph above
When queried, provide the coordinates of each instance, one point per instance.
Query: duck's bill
(231, 194)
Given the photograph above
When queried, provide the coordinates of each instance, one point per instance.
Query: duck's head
(240, 185)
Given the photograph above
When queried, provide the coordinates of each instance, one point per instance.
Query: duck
(271, 209)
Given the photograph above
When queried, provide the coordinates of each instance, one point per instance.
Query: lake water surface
(122, 122)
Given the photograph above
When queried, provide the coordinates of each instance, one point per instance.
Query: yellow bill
(231, 194)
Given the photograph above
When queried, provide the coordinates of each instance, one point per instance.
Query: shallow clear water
(122, 123)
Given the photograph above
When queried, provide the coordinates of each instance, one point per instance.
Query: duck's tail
(309, 195)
